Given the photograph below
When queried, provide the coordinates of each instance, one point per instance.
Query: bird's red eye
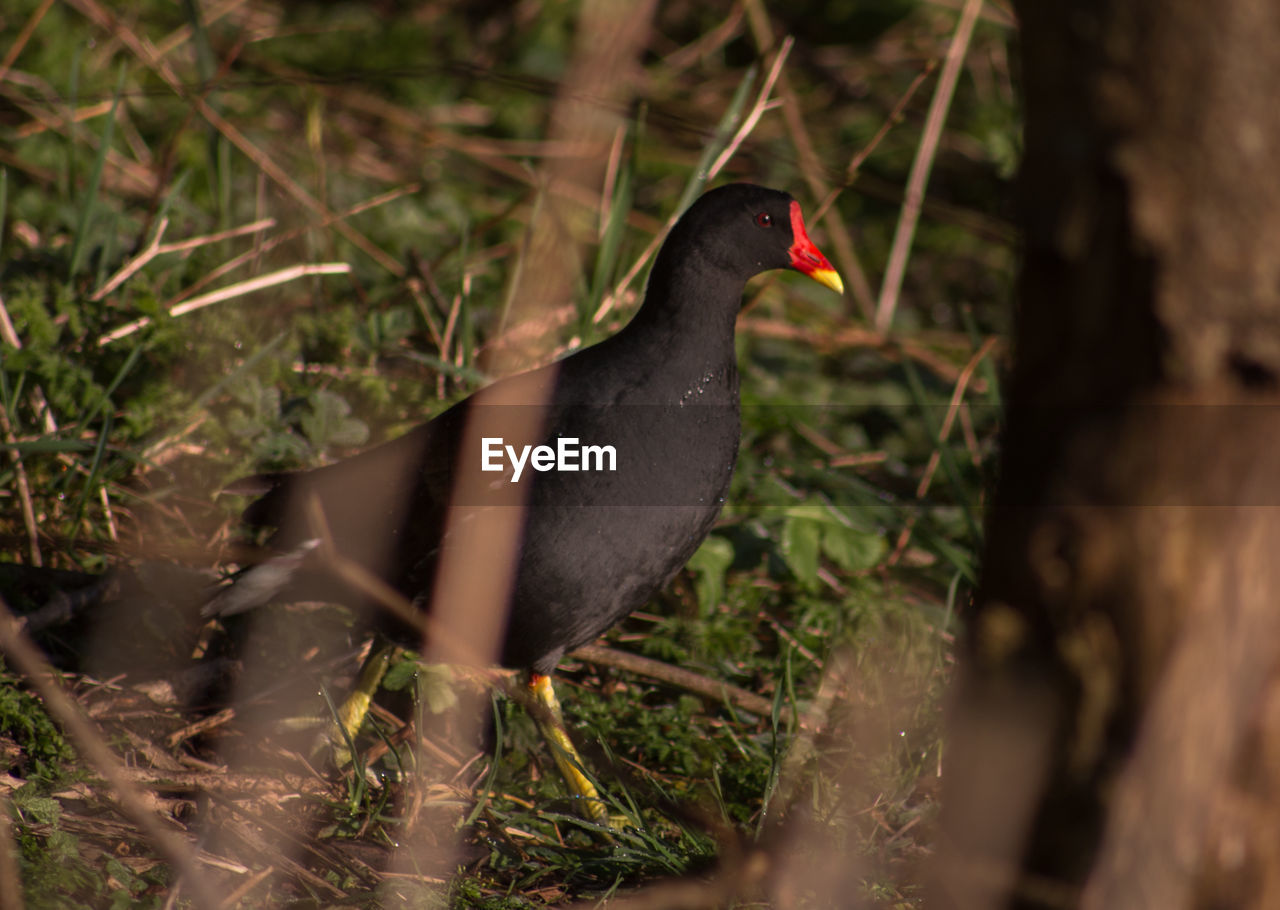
(764, 219)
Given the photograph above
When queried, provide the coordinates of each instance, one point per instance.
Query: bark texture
(1116, 731)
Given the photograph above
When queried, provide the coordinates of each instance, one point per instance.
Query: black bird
(660, 397)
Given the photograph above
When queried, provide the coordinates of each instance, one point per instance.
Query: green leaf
(709, 565)
(400, 675)
(383, 332)
(330, 423)
(800, 540)
(851, 550)
(43, 810)
(435, 688)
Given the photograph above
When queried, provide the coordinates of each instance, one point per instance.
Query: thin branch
(261, 247)
(935, 457)
(855, 163)
(20, 472)
(156, 248)
(125, 271)
(923, 164)
(28, 29)
(957, 398)
(812, 169)
(677, 676)
(231, 291)
(191, 243)
(757, 110)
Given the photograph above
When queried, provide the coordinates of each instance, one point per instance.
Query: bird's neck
(690, 306)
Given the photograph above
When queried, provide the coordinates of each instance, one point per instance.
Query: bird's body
(596, 543)
(662, 392)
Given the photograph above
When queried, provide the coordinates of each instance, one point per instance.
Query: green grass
(830, 588)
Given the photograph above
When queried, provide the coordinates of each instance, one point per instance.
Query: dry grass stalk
(896, 267)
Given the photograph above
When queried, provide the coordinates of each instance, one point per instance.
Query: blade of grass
(89, 203)
(718, 142)
(218, 148)
(4, 213)
(467, 374)
(73, 99)
(109, 239)
(783, 692)
(91, 413)
(48, 446)
(356, 784)
(611, 241)
(757, 110)
(491, 777)
(90, 481)
(173, 195)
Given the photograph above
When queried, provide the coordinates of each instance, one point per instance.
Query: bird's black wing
(382, 509)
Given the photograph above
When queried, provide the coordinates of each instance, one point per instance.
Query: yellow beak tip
(830, 278)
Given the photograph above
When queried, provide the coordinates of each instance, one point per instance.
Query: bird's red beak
(807, 258)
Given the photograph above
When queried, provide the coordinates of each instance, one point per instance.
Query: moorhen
(649, 418)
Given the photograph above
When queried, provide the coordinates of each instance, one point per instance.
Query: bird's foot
(550, 721)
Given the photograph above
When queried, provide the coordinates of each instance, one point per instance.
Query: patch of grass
(157, 157)
(25, 725)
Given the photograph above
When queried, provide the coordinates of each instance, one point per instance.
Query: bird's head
(749, 229)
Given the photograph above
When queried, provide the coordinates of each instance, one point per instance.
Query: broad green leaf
(709, 565)
(852, 550)
(800, 538)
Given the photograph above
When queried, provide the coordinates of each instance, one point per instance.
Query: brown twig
(156, 248)
(677, 676)
(28, 29)
(855, 163)
(23, 485)
(935, 457)
(812, 169)
(757, 110)
(896, 267)
(953, 407)
(261, 248)
(706, 44)
(749, 122)
(846, 338)
(239, 289)
(243, 891)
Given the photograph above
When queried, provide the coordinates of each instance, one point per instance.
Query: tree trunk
(1115, 738)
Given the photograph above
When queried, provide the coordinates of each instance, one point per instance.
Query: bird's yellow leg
(551, 722)
(355, 708)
